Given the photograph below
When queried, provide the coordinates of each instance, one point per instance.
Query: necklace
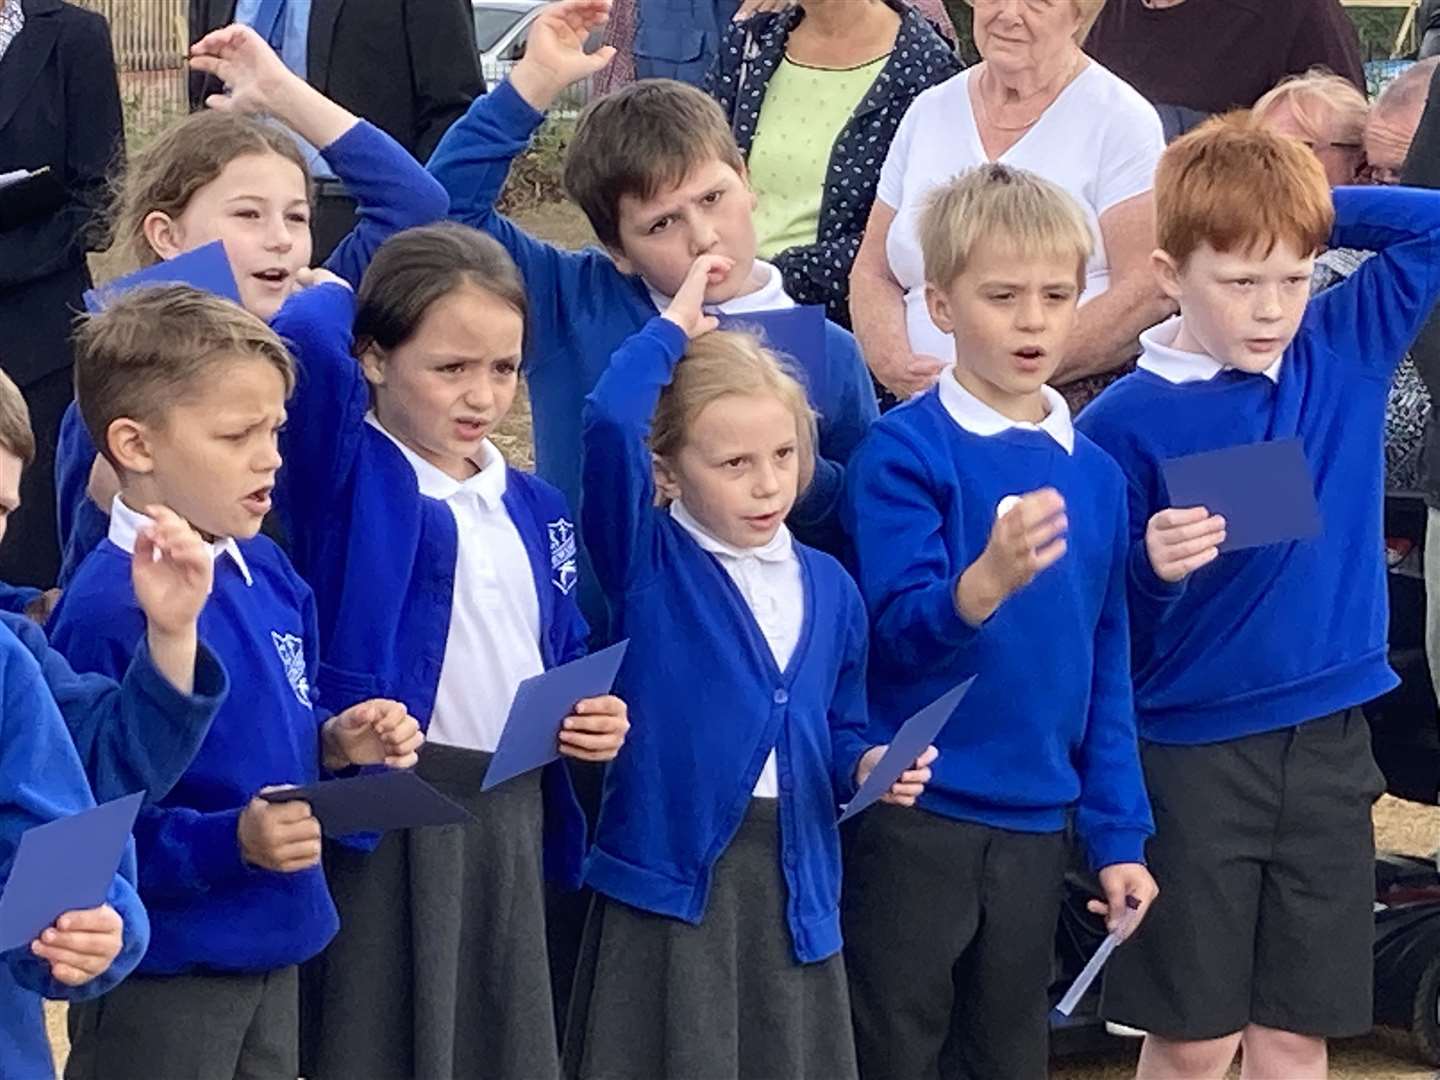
(1049, 92)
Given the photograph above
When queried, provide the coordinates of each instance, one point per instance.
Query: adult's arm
(444, 65)
(1422, 169)
(877, 310)
(1107, 335)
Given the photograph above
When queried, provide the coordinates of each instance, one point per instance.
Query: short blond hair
(151, 347)
(997, 203)
(1232, 185)
(1310, 97)
(16, 434)
(717, 365)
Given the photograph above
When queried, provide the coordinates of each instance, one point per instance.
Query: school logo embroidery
(292, 659)
(563, 570)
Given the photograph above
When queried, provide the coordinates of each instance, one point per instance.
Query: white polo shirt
(494, 637)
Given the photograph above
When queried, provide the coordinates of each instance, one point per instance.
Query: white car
(500, 30)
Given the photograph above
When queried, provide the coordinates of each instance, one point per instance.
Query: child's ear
(1167, 273)
(373, 365)
(622, 262)
(939, 305)
(129, 444)
(666, 482)
(162, 234)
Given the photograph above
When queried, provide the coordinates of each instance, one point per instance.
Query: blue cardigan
(707, 702)
(1050, 723)
(1274, 636)
(582, 308)
(381, 556)
(211, 910)
(392, 192)
(41, 780)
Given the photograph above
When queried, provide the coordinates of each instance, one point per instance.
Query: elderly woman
(1038, 103)
(814, 95)
(1330, 116)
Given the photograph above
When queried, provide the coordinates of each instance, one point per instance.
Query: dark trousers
(949, 945)
(30, 552)
(334, 217)
(189, 1027)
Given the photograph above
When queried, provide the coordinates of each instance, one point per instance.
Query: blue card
(374, 802)
(206, 268)
(541, 704)
(798, 333)
(1264, 491)
(908, 744)
(64, 865)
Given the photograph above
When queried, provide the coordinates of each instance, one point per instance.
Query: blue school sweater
(1274, 636)
(381, 556)
(41, 780)
(392, 192)
(211, 910)
(139, 734)
(1049, 725)
(707, 702)
(582, 308)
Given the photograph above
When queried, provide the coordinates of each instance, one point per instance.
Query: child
(185, 391)
(990, 541)
(442, 577)
(139, 735)
(713, 948)
(224, 175)
(657, 172)
(1249, 673)
(86, 952)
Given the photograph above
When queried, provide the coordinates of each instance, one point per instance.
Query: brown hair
(417, 267)
(721, 363)
(1235, 186)
(640, 139)
(16, 435)
(181, 160)
(151, 347)
(999, 204)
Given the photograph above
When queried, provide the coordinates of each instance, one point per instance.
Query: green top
(804, 111)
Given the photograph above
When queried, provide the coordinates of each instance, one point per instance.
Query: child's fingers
(578, 754)
(103, 920)
(1188, 549)
(1041, 534)
(1048, 556)
(927, 756)
(386, 716)
(581, 740)
(81, 949)
(1189, 565)
(69, 976)
(89, 963)
(1206, 526)
(1176, 517)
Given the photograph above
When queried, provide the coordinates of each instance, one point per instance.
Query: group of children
(725, 499)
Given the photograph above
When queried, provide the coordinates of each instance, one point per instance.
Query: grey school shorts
(1265, 857)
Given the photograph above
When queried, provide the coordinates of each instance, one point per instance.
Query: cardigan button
(781, 696)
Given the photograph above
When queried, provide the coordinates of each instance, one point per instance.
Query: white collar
(781, 547)
(488, 485)
(125, 526)
(976, 417)
(770, 296)
(1159, 356)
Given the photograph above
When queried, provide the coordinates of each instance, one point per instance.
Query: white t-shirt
(1100, 141)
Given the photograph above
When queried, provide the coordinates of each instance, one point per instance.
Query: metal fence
(151, 39)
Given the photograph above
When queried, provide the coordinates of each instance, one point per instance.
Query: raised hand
(172, 571)
(555, 53)
(687, 310)
(374, 732)
(1179, 542)
(1026, 540)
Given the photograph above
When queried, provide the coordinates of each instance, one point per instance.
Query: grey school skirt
(656, 997)
(440, 970)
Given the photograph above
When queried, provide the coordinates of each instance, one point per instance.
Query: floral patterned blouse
(819, 273)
